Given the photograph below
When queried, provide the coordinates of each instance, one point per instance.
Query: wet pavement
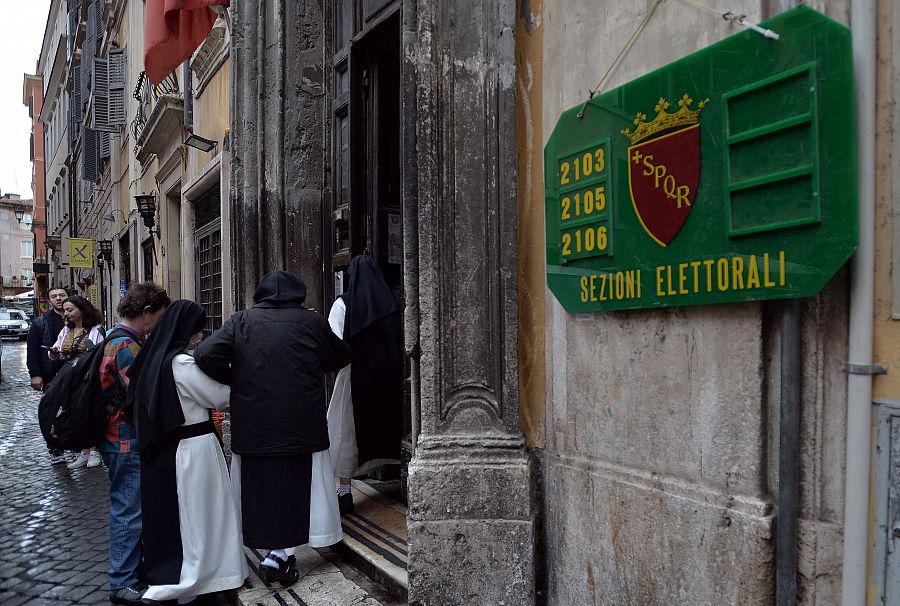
(54, 525)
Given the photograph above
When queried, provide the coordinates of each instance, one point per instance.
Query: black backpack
(72, 413)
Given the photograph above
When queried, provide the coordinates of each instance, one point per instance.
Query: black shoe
(286, 572)
(126, 595)
(219, 598)
(345, 503)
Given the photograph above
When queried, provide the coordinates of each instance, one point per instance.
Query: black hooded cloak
(275, 356)
(372, 327)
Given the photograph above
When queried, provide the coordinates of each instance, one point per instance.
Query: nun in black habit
(191, 529)
(365, 416)
(275, 356)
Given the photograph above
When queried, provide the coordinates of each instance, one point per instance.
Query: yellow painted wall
(529, 108)
(211, 116)
(887, 329)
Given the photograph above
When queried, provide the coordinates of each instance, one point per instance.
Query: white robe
(341, 427)
(212, 555)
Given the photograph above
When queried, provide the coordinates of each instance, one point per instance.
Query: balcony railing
(157, 106)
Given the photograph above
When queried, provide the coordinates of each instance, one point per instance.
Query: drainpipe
(186, 82)
(862, 287)
(788, 502)
(788, 521)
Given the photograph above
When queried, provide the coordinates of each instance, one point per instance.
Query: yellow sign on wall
(94, 295)
(81, 253)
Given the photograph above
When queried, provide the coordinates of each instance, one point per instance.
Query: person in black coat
(275, 356)
(41, 337)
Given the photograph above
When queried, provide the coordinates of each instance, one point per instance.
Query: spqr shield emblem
(664, 168)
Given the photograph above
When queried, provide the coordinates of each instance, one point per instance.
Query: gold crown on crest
(664, 121)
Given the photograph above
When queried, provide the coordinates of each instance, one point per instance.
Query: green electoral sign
(729, 175)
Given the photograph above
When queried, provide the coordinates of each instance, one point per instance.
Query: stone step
(375, 538)
(321, 584)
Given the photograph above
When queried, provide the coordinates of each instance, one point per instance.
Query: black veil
(152, 395)
(368, 297)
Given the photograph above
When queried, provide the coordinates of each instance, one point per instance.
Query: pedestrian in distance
(139, 310)
(81, 333)
(365, 415)
(41, 337)
(192, 544)
(275, 356)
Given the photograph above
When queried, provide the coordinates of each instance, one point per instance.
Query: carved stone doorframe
(471, 525)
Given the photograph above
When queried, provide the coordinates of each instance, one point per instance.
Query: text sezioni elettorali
(723, 274)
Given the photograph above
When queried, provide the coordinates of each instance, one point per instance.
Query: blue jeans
(124, 518)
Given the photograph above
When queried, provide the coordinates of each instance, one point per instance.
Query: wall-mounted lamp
(201, 143)
(146, 204)
(111, 216)
(105, 254)
(20, 214)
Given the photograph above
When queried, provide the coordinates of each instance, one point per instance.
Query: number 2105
(586, 203)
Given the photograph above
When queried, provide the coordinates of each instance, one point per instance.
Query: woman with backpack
(81, 332)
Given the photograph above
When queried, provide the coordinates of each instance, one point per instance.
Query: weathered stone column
(277, 112)
(471, 530)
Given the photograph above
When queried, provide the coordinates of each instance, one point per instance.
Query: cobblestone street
(53, 523)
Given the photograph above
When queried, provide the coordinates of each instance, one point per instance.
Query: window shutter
(89, 156)
(100, 96)
(117, 107)
(96, 14)
(104, 147)
(71, 32)
(77, 107)
(85, 191)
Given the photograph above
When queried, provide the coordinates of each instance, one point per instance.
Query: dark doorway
(366, 148)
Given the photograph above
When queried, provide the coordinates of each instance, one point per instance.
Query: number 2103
(576, 169)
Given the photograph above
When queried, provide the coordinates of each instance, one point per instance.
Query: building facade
(114, 137)
(633, 457)
(32, 97)
(16, 245)
(624, 457)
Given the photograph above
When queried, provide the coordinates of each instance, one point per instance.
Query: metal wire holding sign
(728, 15)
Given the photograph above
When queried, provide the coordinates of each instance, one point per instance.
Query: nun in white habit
(191, 528)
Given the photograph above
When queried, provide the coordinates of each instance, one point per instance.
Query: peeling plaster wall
(658, 448)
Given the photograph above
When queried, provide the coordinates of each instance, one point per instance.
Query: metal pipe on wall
(788, 520)
(788, 501)
(862, 305)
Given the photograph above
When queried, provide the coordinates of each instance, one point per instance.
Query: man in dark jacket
(41, 336)
(275, 356)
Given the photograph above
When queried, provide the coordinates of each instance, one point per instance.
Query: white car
(14, 323)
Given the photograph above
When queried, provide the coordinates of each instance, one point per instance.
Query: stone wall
(658, 450)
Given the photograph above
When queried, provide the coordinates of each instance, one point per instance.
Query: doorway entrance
(365, 209)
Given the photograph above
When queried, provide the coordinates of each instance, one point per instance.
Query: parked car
(14, 323)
